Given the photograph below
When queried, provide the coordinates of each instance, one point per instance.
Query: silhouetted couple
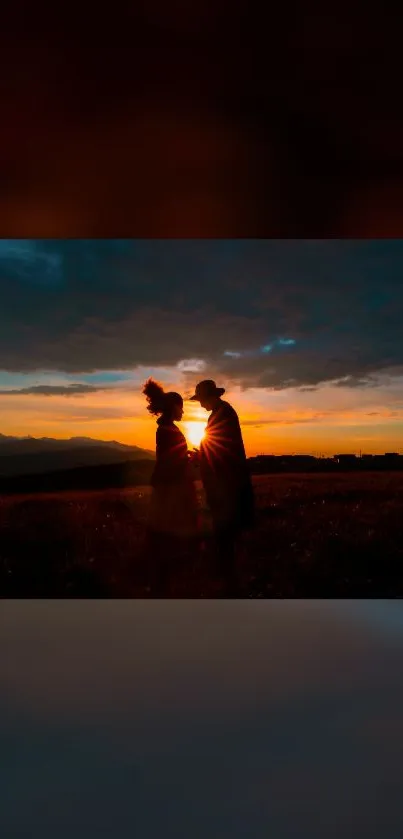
(174, 519)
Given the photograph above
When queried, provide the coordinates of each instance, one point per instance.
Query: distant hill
(48, 465)
(30, 455)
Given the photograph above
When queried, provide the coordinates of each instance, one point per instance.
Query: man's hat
(207, 389)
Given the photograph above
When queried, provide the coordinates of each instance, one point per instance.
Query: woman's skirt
(172, 534)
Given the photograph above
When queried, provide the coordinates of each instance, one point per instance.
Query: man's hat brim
(218, 391)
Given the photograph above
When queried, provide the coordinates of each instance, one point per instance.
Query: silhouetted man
(225, 475)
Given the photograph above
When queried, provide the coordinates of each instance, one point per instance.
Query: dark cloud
(52, 390)
(268, 314)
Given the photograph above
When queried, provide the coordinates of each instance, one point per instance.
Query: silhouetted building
(346, 459)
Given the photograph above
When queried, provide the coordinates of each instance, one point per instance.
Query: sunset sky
(306, 337)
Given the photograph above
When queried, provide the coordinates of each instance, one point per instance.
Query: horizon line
(312, 453)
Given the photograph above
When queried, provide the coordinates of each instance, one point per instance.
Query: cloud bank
(52, 390)
(261, 314)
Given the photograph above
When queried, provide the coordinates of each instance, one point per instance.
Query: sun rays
(194, 432)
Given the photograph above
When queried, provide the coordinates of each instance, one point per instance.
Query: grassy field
(316, 536)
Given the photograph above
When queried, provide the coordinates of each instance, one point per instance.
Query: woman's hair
(160, 402)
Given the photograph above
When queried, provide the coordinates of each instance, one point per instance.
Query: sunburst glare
(194, 432)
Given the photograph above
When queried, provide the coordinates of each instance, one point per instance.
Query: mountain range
(31, 455)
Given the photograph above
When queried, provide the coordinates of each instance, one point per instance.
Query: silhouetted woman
(173, 521)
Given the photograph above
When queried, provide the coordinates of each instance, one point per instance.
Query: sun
(194, 432)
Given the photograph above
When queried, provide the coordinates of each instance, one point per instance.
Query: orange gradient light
(194, 432)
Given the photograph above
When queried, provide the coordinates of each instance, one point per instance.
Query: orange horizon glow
(286, 422)
(281, 439)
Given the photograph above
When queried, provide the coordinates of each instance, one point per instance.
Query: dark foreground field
(316, 536)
